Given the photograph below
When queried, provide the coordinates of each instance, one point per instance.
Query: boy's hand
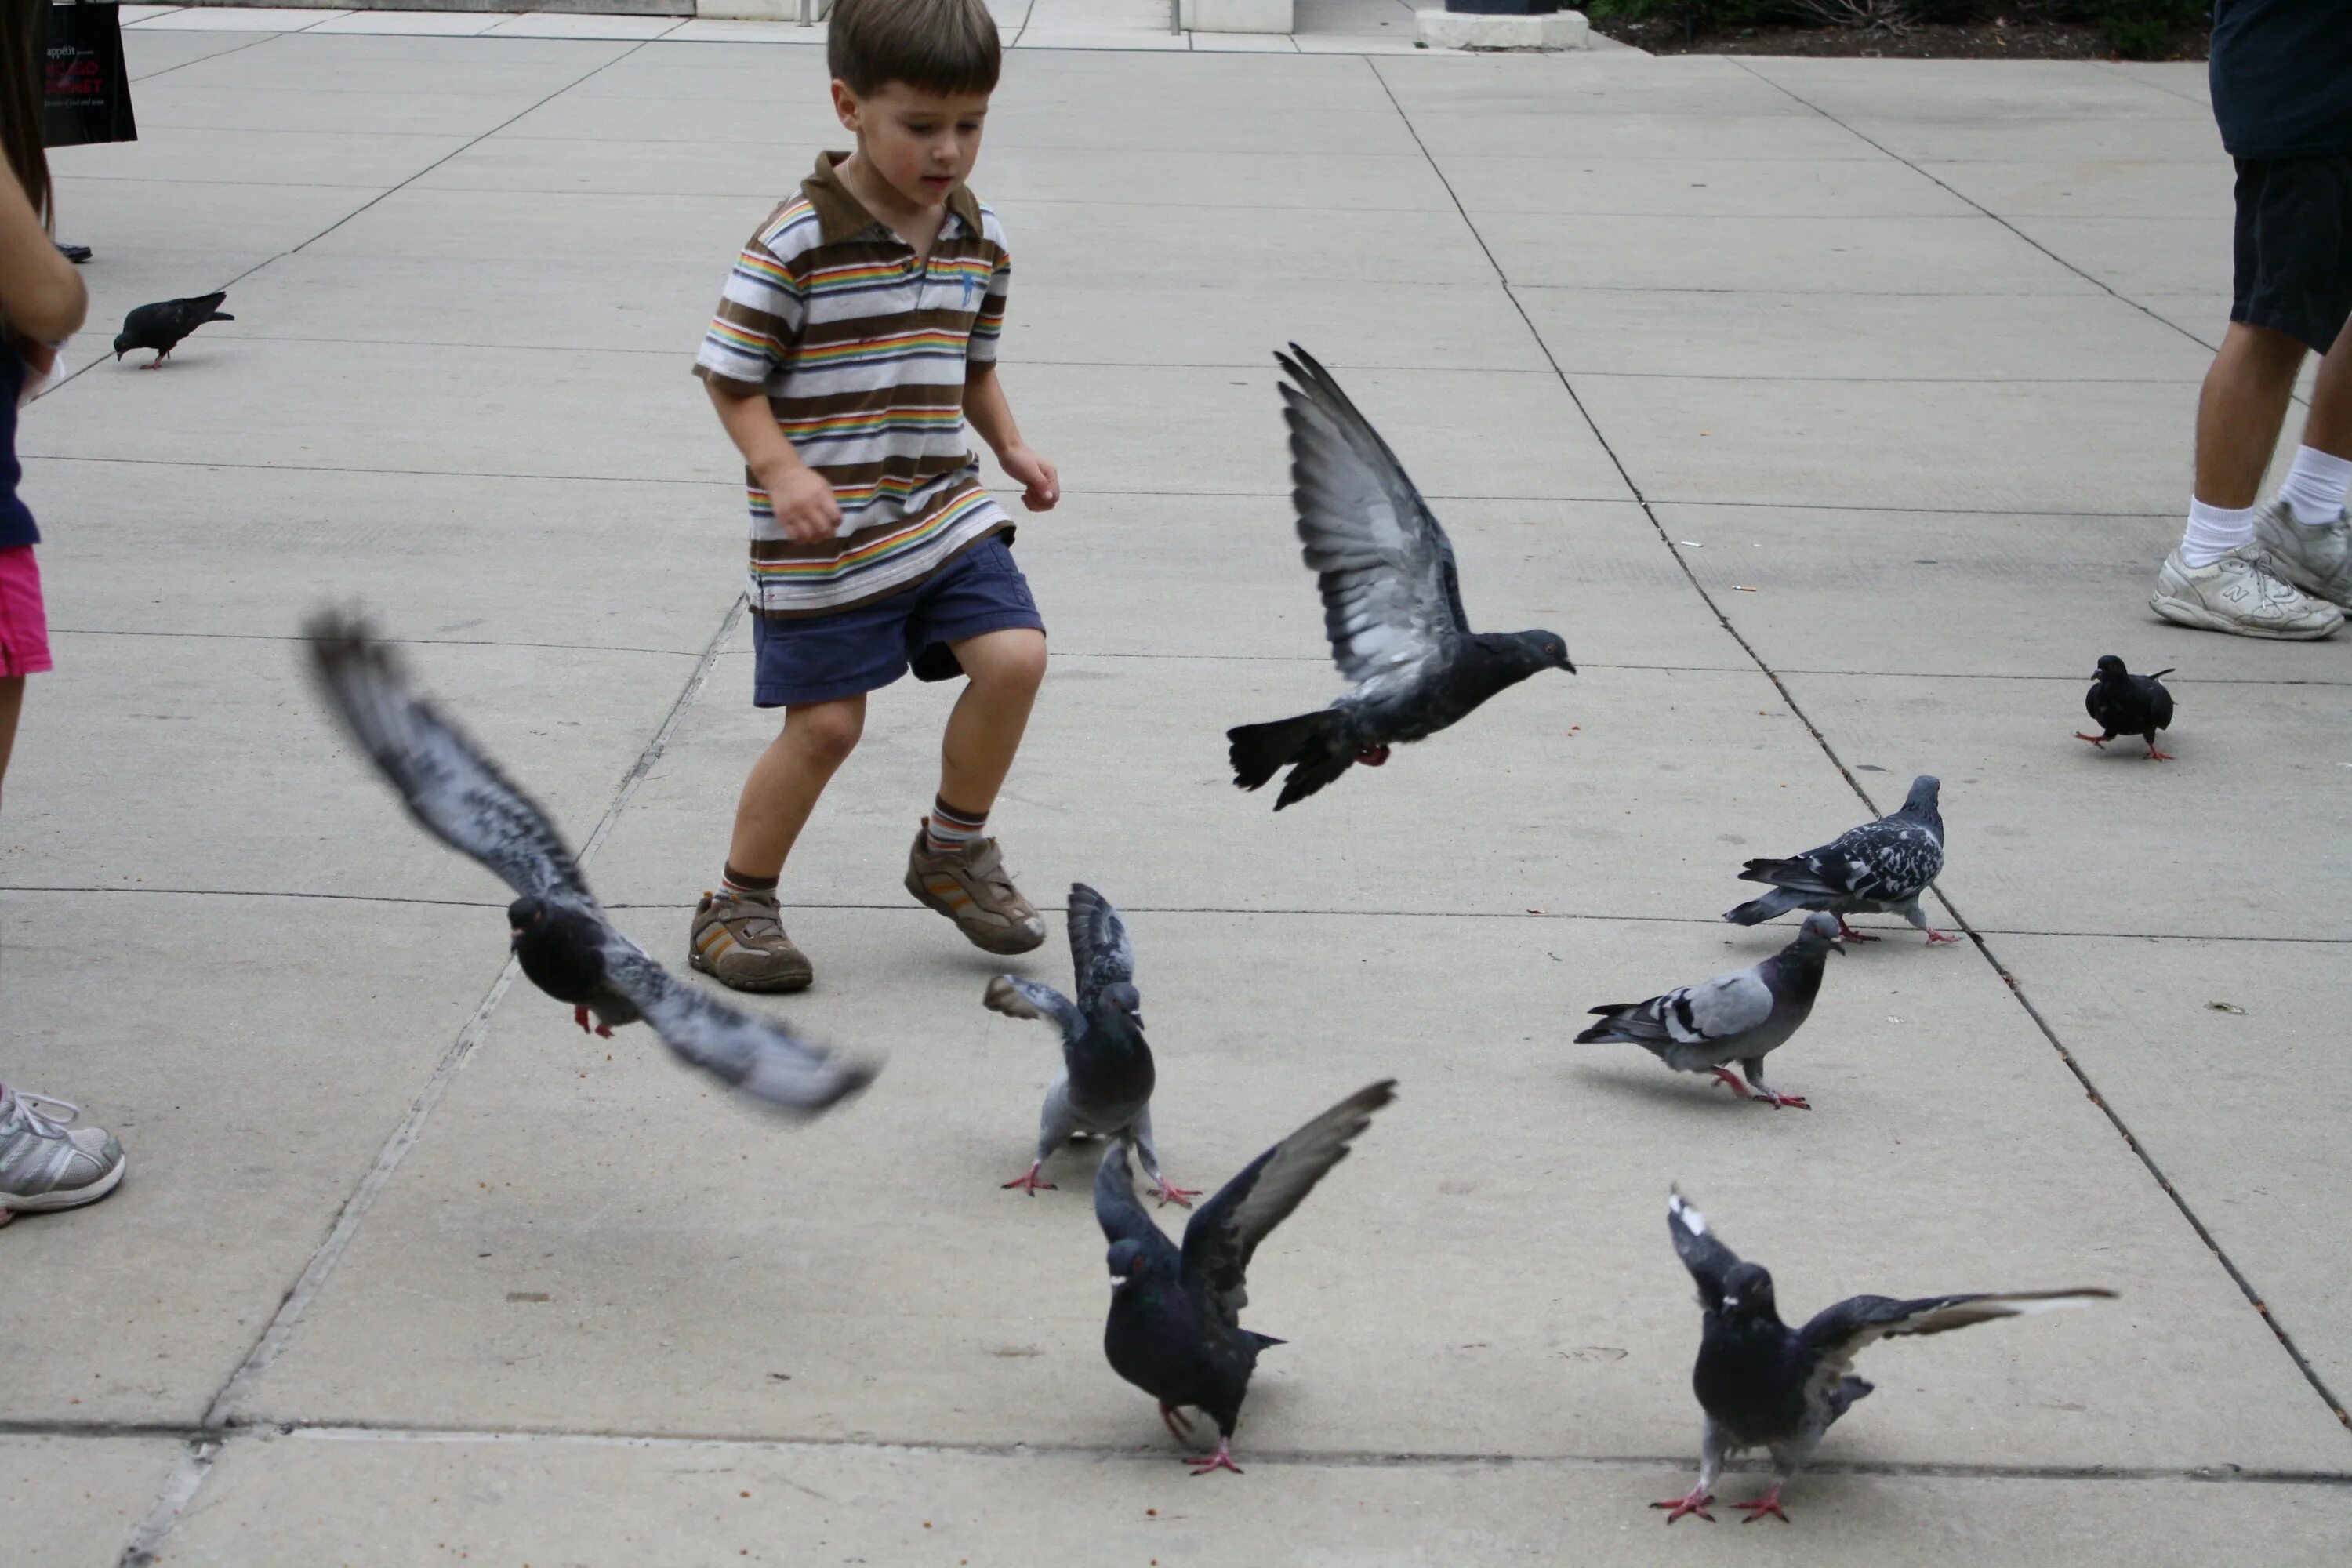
(1041, 485)
(803, 502)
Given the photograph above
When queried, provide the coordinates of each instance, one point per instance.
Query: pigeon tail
(1261, 1341)
(1315, 743)
(215, 316)
(1771, 906)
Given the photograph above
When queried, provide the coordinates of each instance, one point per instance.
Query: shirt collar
(841, 215)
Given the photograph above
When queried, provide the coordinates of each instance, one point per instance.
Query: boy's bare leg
(983, 735)
(786, 781)
(12, 702)
(2240, 412)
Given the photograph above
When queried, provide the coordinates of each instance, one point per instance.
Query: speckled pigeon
(1740, 1017)
(558, 934)
(1107, 1077)
(1392, 604)
(1174, 1329)
(2122, 704)
(1882, 865)
(1763, 1385)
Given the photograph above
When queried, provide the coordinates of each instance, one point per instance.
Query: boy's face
(921, 144)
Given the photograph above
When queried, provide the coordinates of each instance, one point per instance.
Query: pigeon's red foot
(1847, 933)
(1175, 1420)
(580, 1016)
(2098, 740)
(1372, 757)
(1775, 1099)
(1031, 1183)
(1167, 1192)
(1757, 1508)
(1223, 1459)
(1693, 1501)
(2156, 756)
(1935, 936)
(603, 1029)
(1730, 1080)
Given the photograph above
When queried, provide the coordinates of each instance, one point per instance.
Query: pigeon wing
(1018, 998)
(1707, 1258)
(448, 784)
(1837, 1333)
(1391, 594)
(757, 1055)
(1102, 952)
(1226, 1232)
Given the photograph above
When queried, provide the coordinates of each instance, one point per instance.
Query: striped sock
(950, 826)
(736, 883)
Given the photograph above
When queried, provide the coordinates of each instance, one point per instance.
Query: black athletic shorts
(2295, 246)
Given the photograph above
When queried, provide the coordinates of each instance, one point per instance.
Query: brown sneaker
(971, 888)
(737, 939)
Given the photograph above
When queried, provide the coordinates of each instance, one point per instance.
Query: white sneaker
(2316, 560)
(46, 1163)
(2237, 595)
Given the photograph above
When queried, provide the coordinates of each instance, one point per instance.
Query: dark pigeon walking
(1763, 1385)
(161, 326)
(1740, 1017)
(558, 932)
(1174, 1329)
(1107, 1077)
(1882, 865)
(1392, 604)
(2122, 704)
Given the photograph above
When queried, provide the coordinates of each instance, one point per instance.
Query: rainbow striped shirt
(861, 348)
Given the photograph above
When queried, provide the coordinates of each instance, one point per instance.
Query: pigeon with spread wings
(1174, 1329)
(1763, 1385)
(1392, 604)
(559, 934)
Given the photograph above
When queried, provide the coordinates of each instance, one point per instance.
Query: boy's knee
(827, 731)
(1014, 660)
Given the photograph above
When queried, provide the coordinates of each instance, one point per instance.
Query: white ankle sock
(2213, 531)
(2315, 486)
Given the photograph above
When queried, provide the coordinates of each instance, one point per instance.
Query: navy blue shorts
(822, 658)
(2294, 247)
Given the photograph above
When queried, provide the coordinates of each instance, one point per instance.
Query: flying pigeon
(161, 326)
(1737, 1016)
(1392, 604)
(560, 935)
(1882, 865)
(2122, 704)
(1763, 1385)
(1104, 1085)
(1174, 1329)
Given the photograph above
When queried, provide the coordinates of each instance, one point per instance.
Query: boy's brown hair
(933, 45)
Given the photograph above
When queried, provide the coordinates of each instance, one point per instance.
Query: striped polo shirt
(861, 347)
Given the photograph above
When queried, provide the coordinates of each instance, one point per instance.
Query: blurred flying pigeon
(1174, 1329)
(1104, 1085)
(2123, 703)
(1737, 1016)
(565, 945)
(1392, 604)
(1763, 1385)
(161, 326)
(1882, 865)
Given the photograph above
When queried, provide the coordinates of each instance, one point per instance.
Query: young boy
(856, 335)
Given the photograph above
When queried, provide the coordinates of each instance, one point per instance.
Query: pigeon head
(1748, 1294)
(1129, 1264)
(123, 344)
(1921, 801)
(2110, 669)
(1124, 1000)
(1524, 653)
(523, 915)
(1819, 930)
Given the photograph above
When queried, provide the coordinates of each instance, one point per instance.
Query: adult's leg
(787, 780)
(1004, 669)
(2240, 411)
(2328, 427)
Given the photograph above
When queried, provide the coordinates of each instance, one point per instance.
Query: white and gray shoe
(2238, 593)
(2316, 560)
(46, 1162)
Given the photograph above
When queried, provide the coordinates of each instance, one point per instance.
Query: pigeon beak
(1836, 946)
(1730, 1302)
(1118, 1281)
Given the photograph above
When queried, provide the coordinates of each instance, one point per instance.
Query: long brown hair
(23, 38)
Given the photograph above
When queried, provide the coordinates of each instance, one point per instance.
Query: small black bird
(1766, 1385)
(2123, 703)
(559, 934)
(1392, 604)
(1174, 1329)
(1881, 864)
(161, 326)
(1107, 1077)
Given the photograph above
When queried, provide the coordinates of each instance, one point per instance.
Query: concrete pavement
(1835, 412)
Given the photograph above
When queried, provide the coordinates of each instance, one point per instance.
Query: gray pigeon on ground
(1106, 1082)
(1740, 1017)
(1174, 1329)
(1882, 865)
(2123, 703)
(161, 325)
(1392, 604)
(1763, 1385)
(558, 932)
